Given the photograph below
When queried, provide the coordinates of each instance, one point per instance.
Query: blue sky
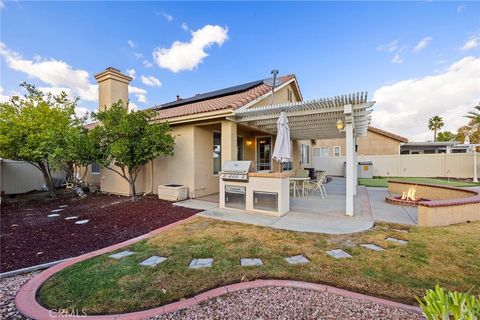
(332, 47)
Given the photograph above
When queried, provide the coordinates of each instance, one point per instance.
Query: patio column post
(229, 141)
(355, 167)
(350, 160)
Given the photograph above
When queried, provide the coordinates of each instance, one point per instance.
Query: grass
(448, 256)
(382, 182)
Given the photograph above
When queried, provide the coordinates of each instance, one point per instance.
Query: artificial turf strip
(447, 255)
(382, 182)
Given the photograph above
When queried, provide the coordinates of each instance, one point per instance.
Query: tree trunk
(133, 179)
(434, 135)
(48, 178)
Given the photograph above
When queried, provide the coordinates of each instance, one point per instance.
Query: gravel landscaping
(8, 291)
(288, 303)
(29, 237)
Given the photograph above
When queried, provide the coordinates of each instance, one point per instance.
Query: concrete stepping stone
(372, 246)
(152, 261)
(82, 221)
(399, 241)
(297, 260)
(63, 206)
(200, 263)
(400, 230)
(251, 262)
(53, 215)
(338, 254)
(121, 254)
(56, 210)
(71, 218)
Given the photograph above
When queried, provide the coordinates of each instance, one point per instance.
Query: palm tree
(435, 123)
(475, 116)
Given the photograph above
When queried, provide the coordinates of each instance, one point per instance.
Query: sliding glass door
(264, 153)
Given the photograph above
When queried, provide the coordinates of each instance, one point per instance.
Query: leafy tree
(471, 130)
(445, 136)
(435, 123)
(128, 141)
(75, 153)
(33, 127)
(475, 116)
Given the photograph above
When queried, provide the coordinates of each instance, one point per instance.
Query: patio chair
(301, 173)
(318, 185)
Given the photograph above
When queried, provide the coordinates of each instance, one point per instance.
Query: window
(337, 151)
(305, 154)
(95, 168)
(289, 95)
(320, 152)
(217, 154)
(239, 148)
(287, 166)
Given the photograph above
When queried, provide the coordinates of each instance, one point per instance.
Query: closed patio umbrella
(283, 151)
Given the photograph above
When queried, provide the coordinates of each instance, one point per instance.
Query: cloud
(397, 59)
(147, 64)
(422, 44)
(137, 56)
(131, 44)
(132, 106)
(3, 98)
(471, 43)
(405, 106)
(56, 90)
(82, 112)
(167, 16)
(140, 94)
(188, 55)
(53, 72)
(461, 7)
(131, 73)
(184, 26)
(2, 5)
(390, 47)
(150, 81)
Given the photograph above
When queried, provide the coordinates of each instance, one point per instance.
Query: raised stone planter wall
(448, 205)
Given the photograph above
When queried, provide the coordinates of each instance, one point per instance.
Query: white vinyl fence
(19, 177)
(415, 165)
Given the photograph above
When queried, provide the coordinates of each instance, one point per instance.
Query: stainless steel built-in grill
(235, 170)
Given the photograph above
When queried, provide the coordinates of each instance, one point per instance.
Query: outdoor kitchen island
(263, 192)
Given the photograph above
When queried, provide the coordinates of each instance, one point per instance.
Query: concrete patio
(311, 213)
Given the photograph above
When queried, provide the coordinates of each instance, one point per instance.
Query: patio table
(296, 184)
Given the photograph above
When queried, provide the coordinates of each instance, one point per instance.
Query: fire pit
(407, 198)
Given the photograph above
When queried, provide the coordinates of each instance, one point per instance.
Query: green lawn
(382, 182)
(448, 256)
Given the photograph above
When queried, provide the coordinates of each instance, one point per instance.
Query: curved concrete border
(27, 304)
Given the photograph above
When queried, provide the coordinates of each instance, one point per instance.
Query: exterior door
(264, 153)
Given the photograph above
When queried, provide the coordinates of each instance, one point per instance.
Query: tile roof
(388, 134)
(229, 98)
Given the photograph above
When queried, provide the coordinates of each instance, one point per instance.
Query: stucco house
(205, 135)
(375, 142)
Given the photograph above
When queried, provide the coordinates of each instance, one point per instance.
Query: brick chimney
(112, 86)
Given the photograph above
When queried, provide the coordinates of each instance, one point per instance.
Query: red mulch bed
(29, 237)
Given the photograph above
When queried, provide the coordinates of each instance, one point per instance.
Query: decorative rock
(399, 241)
(152, 261)
(200, 263)
(297, 260)
(400, 230)
(53, 215)
(82, 221)
(251, 262)
(338, 254)
(71, 218)
(121, 254)
(56, 210)
(372, 246)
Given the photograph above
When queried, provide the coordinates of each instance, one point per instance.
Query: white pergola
(317, 119)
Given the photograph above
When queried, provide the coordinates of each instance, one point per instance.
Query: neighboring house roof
(388, 134)
(92, 125)
(431, 144)
(228, 98)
